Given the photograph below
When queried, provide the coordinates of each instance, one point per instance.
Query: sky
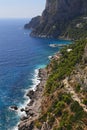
(21, 8)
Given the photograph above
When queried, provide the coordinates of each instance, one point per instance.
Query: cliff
(33, 23)
(57, 18)
(60, 100)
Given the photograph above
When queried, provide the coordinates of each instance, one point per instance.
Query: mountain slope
(63, 100)
(57, 18)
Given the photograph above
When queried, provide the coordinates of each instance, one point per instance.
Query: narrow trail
(74, 94)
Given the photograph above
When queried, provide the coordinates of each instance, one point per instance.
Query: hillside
(61, 18)
(63, 99)
(64, 106)
(60, 100)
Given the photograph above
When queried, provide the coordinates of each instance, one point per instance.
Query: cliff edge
(58, 17)
(60, 100)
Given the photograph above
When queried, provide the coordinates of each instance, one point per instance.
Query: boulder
(14, 107)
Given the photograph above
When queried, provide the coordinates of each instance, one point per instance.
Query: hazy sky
(21, 8)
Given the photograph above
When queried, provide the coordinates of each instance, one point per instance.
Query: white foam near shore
(14, 128)
(36, 79)
(50, 57)
(35, 82)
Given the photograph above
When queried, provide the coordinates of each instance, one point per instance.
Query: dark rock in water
(56, 17)
(15, 108)
(22, 110)
(31, 94)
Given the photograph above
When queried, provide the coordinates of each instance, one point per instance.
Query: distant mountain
(59, 18)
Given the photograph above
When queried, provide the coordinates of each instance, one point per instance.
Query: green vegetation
(77, 28)
(78, 88)
(59, 110)
(67, 64)
(71, 116)
(85, 101)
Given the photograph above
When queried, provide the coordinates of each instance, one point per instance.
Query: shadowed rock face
(33, 23)
(56, 17)
(65, 8)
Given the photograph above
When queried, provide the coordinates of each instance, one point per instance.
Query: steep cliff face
(33, 23)
(57, 16)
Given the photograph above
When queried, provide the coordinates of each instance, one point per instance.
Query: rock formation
(56, 17)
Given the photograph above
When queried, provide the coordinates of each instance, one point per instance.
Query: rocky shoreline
(34, 107)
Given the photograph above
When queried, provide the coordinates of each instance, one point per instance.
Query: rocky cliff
(60, 100)
(57, 16)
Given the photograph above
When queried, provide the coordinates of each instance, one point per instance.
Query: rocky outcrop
(57, 16)
(14, 107)
(33, 23)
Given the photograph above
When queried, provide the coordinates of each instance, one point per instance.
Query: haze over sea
(20, 57)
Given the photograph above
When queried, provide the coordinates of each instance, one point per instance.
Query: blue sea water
(20, 57)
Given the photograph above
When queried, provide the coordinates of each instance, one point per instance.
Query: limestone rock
(56, 17)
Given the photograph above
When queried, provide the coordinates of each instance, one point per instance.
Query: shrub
(85, 101)
(67, 98)
(78, 88)
(38, 124)
(75, 107)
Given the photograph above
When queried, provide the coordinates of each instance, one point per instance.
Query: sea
(20, 58)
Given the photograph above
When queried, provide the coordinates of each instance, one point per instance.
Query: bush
(43, 118)
(58, 107)
(75, 107)
(78, 88)
(51, 119)
(85, 101)
(38, 124)
(78, 110)
(67, 98)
